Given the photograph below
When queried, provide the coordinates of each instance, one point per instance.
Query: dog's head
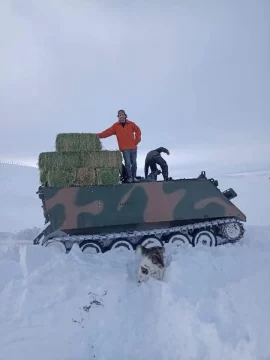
(152, 260)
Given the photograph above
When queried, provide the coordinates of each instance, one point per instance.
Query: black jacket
(150, 158)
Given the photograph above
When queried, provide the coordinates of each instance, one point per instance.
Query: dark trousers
(162, 163)
(130, 159)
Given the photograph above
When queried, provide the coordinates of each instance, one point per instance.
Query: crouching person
(154, 158)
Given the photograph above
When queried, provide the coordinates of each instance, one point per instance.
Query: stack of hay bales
(79, 161)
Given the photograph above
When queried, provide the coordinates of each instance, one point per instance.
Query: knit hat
(121, 112)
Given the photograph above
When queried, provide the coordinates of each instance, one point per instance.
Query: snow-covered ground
(214, 303)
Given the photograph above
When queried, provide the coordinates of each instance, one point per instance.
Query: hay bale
(85, 176)
(71, 177)
(43, 176)
(107, 176)
(78, 142)
(102, 159)
(59, 160)
(64, 160)
(61, 177)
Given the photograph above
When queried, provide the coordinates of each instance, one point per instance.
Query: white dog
(151, 264)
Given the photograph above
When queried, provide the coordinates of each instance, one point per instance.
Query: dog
(151, 264)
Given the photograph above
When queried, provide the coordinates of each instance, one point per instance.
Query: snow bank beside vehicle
(214, 303)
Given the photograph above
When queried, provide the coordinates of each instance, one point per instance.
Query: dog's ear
(139, 250)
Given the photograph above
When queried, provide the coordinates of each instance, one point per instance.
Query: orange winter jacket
(124, 134)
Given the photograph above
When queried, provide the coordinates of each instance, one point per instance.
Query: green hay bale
(107, 176)
(71, 177)
(66, 160)
(60, 160)
(78, 142)
(85, 176)
(102, 159)
(61, 177)
(43, 176)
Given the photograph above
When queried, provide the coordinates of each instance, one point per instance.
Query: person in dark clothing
(154, 158)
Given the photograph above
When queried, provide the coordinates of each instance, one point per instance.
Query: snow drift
(213, 304)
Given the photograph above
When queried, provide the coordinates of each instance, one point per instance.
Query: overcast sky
(194, 75)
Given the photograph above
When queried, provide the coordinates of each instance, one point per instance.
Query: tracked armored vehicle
(100, 218)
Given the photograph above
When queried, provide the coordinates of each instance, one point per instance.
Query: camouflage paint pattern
(137, 204)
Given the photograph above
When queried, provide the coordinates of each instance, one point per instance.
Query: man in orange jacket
(124, 130)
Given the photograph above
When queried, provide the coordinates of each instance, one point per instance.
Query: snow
(214, 303)
(253, 190)
(19, 203)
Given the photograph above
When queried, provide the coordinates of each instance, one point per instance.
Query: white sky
(193, 75)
